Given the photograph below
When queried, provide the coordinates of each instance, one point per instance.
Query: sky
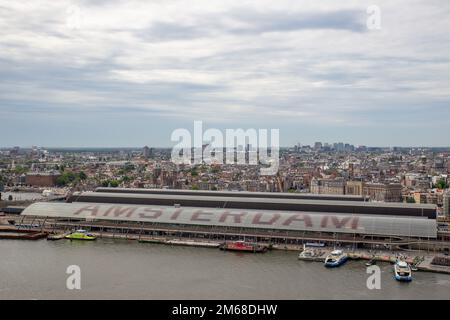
(112, 73)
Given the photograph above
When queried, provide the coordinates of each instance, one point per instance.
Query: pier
(417, 259)
(20, 234)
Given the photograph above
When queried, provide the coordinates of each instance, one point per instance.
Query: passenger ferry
(80, 235)
(243, 246)
(402, 271)
(335, 259)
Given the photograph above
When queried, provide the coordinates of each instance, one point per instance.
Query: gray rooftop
(253, 219)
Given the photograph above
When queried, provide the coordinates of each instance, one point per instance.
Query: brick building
(42, 179)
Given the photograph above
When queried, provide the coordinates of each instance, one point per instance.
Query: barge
(243, 246)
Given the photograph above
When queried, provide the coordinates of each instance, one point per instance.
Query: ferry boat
(335, 259)
(243, 246)
(402, 271)
(80, 235)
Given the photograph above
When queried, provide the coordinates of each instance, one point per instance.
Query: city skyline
(79, 73)
(135, 147)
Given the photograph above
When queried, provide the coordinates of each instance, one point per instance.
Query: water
(119, 269)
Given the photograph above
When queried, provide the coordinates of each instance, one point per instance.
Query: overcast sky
(126, 73)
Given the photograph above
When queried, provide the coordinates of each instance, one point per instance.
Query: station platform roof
(364, 224)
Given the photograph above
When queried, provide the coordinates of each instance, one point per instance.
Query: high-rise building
(446, 204)
(318, 146)
(146, 152)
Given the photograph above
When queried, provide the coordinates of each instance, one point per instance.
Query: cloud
(295, 63)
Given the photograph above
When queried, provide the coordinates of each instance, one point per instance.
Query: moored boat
(80, 235)
(335, 259)
(243, 246)
(402, 271)
(310, 254)
(371, 262)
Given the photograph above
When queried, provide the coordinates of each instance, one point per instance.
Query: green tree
(82, 175)
(20, 170)
(110, 183)
(114, 183)
(410, 200)
(441, 184)
(126, 179)
(66, 178)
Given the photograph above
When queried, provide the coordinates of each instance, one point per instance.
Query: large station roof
(352, 207)
(242, 218)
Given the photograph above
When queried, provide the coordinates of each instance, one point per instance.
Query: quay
(57, 236)
(178, 242)
(21, 234)
(418, 259)
(281, 221)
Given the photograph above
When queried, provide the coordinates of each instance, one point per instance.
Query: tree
(82, 175)
(410, 200)
(20, 170)
(110, 183)
(114, 183)
(194, 173)
(441, 184)
(126, 179)
(66, 178)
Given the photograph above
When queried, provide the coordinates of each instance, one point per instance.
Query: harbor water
(120, 269)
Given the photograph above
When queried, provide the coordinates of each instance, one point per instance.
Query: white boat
(335, 259)
(48, 193)
(402, 271)
(307, 255)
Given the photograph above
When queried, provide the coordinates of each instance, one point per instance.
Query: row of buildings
(388, 192)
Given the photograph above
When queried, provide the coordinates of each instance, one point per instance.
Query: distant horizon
(170, 147)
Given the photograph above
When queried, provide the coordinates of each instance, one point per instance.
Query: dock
(19, 234)
(421, 262)
(177, 242)
(57, 236)
(427, 265)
